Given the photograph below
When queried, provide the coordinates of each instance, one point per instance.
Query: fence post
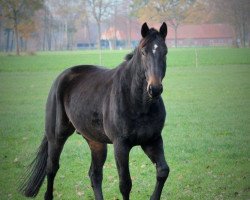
(100, 57)
(196, 58)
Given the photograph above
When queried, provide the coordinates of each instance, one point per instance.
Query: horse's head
(153, 51)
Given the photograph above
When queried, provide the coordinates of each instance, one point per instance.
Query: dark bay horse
(122, 106)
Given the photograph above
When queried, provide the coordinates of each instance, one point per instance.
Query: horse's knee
(162, 173)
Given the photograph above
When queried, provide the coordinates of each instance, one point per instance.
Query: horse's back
(81, 71)
(86, 79)
(75, 75)
(69, 77)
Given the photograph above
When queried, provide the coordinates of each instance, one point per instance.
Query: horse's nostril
(150, 90)
(155, 91)
(161, 88)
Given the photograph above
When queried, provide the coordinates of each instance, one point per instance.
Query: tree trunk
(99, 35)
(88, 31)
(175, 36)
(12, 41)
(16, 38)
(115, 36)
(1, 41)
(7, 48)
(244, 34)
(49, 30)
(66, 35)
(45, 29)
(129, 34)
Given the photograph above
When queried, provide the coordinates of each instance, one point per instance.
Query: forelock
(152, 35)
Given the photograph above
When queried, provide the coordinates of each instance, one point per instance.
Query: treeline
(30, 25)
(179, 12)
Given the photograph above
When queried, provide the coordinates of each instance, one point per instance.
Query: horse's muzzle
(155, 91)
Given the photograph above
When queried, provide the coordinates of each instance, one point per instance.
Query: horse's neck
(136, 92)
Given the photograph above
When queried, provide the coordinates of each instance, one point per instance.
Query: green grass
(55, 61)
(180, 57)
(206, 134)
(208, 56)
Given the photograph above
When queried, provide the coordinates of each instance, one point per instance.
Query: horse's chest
(144, 128)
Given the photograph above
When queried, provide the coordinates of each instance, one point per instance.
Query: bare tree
(59, 23)
(173, 11)
(17, 11)
(125, 13)
(83, 20)
(100, 9)
(47, 34)
(236, 13)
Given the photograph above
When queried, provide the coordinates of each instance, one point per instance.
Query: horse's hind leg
(54, 151)
(98, 154)
(55, 147)
(58, 129)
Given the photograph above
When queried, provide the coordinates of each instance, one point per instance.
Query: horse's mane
(129, 56)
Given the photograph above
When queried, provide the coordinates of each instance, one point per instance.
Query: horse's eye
(166, 52)
(143, 52)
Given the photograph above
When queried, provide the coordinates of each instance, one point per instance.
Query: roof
(111, 33)
(203, 31)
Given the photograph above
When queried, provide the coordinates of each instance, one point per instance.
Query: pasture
(206, 135)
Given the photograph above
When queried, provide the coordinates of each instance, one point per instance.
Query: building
(117, 39)
(202, 35)
(187, 36)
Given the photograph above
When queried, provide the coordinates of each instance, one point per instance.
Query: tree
(202, 11)
(47, 28)
(26, 30)
(99, 9)
(17, 12)
(120, 22)
(62, 15)
(173, 11)
(236, 13)
(83, 21)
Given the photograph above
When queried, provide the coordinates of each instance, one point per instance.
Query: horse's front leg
(155, 152)
(121, 150)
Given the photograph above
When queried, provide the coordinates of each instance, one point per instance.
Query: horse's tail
(36, 172)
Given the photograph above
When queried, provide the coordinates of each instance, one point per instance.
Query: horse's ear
(164, 30)
(144, 30)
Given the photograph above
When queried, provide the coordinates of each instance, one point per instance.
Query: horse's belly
(94, 134)
(89, 123)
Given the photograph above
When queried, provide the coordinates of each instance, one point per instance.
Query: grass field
(206, 136)
(181, 57)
